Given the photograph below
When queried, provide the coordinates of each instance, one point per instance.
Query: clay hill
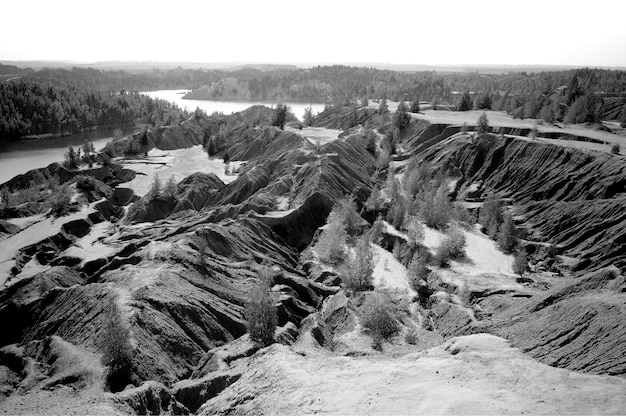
(171, 271)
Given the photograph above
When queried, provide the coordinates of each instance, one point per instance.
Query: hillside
(162, 274)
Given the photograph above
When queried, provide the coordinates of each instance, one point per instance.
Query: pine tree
(520, 262)
(506, 237)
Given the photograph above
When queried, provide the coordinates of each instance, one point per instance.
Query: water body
(226, 107)
(20, 157)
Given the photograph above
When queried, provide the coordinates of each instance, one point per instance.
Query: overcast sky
(590, 33)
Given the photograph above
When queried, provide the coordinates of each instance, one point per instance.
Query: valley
(170, 269)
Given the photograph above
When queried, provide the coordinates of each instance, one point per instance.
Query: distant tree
(465, 102)
(308, 116)
(586, 109)
(6, 200)
(156, 188)
(615, 148)
(573, 90)
(370, 144)
(401, 118)
(170, 188)
(622, 118)
(482, 125)
(415, 105)
(483, 102)
(464, 127)
(547, 112)
(434, 102)
(364, 101)
(383, 107)
(520, 262)
(144, 142)
(280, 116)
(534, 132)
(260, 309)
(210, 149)
(226, 157)
(491, 215)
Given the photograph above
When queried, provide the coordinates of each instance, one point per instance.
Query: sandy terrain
(177, 163)
(476, 374)
(317, 134)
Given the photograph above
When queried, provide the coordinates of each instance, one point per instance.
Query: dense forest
(45, 107)
(70, 100)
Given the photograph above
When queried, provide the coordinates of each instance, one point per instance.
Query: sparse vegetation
(60, 200)
(307, 118)
(117, 352)
(506, 237)
(331, 245)
(491, 215)
(401, 118)
(260, 309)
(465, 102)
(170, 189)
(85, 183)
(417, 273)
(156, 188)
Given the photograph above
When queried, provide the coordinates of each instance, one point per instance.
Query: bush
(615, 148)
(85, 183)
(379, 318)
(60, 200)
(435, 207)
(260, 309)
(357, 273)
(451, 248)
(411, 336)
(117, 353)
(347, 212)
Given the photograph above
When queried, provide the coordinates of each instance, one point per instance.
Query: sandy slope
(477, 374)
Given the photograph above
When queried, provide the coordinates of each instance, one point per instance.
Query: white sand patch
(282, 203)
(178, 164)
(484, 256)
(389, 273)
(317, 134)
(91, 246)
(36, 231)
(26, 221)
(476, 374)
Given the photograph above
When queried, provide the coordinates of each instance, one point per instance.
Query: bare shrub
(117, 353)
(260, 309)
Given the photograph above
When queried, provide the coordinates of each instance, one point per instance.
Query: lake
(20, 157)
(226, 107)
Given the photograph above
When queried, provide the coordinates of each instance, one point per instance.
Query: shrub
(379, 318)
(451, 248)
(370, 144)
(357, 273)
(520, 263)
(411, 336)
(463, 216)
(85, 183)
(415, 231)
(331, 246)
(117, 353)
(347, 211)
(615, 148)
(60, 200)
(435, 207)
(260, 309)
(382, 162)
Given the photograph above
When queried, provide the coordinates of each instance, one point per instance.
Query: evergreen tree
(383, 108)
(144, 142)
(482, 125)
(465, 103)
(520, 262)
(226, 157)
(506, 237)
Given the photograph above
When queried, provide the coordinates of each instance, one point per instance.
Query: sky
(436, 32)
